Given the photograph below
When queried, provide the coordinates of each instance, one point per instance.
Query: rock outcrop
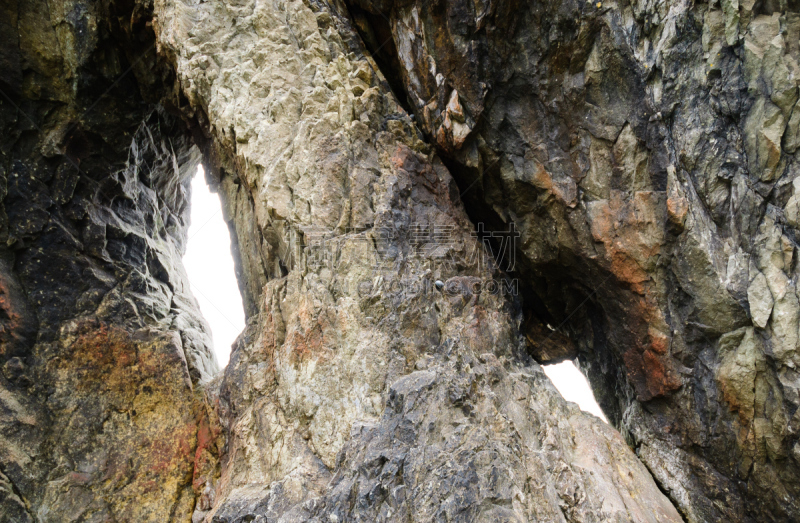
(644, 154)
(360, 391)
(645, 151)
(103, 350)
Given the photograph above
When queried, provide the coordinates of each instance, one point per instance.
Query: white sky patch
(209, 264)
(573, 386)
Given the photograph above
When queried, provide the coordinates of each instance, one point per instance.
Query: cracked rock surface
(102, 346)
(644, 152)
(359, 392)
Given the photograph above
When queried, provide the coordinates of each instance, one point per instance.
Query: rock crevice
(644, 153)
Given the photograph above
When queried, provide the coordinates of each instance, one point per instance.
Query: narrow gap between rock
(376, 33)
(574, 386)
(545, 344)
(209, 265)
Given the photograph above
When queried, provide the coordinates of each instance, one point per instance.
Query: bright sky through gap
(209, 264)
(573, 386)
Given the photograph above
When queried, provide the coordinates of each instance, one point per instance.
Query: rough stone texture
(646, 151)
(359, 391)
(101, 344)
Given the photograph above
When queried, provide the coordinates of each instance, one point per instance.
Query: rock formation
(103, 351)
(643, 152)
(646, 153)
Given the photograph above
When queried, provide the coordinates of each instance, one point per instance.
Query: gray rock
(644, 152)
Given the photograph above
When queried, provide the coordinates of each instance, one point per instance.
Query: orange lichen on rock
(648, 363)
(631, 231)
(563, 189)
(17, 322)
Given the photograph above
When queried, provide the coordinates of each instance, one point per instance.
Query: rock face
(102, 347)
(360, 391)
(646, 153)
(643, 153)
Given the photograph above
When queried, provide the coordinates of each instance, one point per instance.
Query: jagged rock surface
(360, 392)
(102, 345)
(646, 151)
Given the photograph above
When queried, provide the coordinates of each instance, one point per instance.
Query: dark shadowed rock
(102, 348)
